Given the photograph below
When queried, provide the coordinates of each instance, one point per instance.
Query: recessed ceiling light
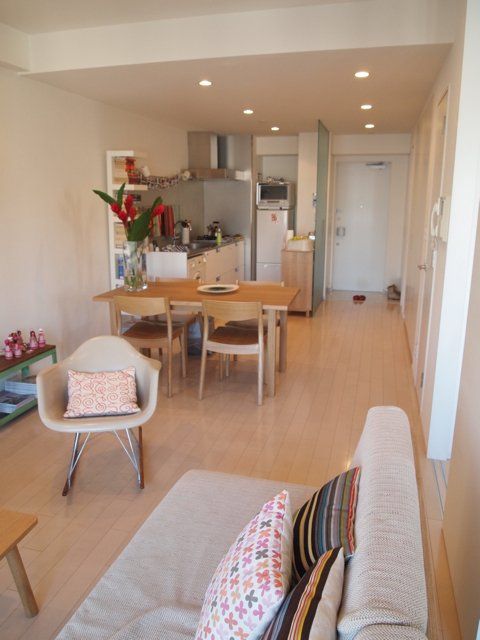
(362, 74)
(275, 128)
(366, 107)
(369, 126)
(248, 112)
(205, 83)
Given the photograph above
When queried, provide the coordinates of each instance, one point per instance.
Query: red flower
(122, 215)
(128, 202)
(115, 208)
(132, 212)
(159, 209)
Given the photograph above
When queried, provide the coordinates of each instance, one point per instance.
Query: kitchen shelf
(112, 186)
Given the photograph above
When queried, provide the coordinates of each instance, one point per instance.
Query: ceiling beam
(14, 49)
(344, 25)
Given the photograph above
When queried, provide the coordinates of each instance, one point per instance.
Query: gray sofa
(156, 586)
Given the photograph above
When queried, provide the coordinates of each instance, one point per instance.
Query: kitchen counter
(197, 247)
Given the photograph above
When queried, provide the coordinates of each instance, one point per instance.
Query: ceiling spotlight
(366, 107)
(248, 112)
(369, 126)
(205, 83)
(275, 128)
(362, 74)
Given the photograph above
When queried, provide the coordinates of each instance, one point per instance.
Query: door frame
(423, 315)
(392, 159)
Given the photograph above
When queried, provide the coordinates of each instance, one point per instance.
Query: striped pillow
(310, 611)
(326, 521)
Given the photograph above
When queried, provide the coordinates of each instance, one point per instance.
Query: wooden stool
(13, 527)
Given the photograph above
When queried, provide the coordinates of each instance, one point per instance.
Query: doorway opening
(360, 225)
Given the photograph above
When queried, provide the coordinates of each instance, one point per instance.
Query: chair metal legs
(133, 448)
(76, 453)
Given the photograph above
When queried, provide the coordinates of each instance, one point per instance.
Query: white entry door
(361, 226)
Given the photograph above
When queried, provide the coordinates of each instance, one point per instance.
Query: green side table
(9, 368)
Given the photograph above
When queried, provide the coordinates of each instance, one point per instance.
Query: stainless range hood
(210, 156)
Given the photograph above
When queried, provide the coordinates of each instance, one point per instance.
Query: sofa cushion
(310, 609)
(253, 578)
(385, 578)
(325, 521)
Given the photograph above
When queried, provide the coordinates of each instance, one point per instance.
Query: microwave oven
(275, 195)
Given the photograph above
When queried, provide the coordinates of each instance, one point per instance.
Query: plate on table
(217, 288)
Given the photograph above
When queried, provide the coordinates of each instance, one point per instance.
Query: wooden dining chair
(232, 340)
(150, 334)
(281, 322)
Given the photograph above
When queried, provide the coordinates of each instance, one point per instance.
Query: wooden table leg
(271, 349)
(21, 580)
(282, 365)
(113, 318)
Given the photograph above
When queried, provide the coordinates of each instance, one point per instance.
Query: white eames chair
(104, 353)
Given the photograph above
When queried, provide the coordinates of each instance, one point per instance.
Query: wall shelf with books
(119, 164)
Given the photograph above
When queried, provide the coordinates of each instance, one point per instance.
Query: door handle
(424, 267)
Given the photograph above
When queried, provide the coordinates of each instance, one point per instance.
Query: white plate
(217, 288)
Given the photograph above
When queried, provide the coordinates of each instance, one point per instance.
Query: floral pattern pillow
(252, 580)
(101, 393)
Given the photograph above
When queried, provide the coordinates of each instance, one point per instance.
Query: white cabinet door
(213, 265)
(230, 276)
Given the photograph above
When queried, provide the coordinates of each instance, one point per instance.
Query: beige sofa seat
(156, 587)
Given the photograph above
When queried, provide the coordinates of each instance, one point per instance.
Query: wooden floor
(341, 362)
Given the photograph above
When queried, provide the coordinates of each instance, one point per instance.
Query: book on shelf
(10, 402)
(20, 385)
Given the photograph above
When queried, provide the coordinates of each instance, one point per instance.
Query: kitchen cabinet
(218, 264)
(297, 271)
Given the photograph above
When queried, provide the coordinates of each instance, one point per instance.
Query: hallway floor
(344, 360)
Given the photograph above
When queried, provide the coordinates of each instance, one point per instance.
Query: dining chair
(103, 353)
(281, 321)
(149, 333)
(232, 340)
(181, 314)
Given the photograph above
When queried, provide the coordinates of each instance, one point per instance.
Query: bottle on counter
(218, 235)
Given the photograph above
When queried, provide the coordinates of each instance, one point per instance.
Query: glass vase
(135, 276)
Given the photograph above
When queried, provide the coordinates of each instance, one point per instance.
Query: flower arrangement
(137, 226)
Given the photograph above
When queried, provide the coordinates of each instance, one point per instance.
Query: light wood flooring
(346, 359)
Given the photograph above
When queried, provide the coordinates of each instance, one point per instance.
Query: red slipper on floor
(356, 298)
(361, 298)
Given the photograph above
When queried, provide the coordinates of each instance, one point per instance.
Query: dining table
(274, 299)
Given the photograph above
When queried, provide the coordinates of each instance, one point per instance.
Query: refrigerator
(272, 226)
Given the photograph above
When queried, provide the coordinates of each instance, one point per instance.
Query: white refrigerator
(272, 226)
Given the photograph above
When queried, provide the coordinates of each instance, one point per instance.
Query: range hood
(211, 157)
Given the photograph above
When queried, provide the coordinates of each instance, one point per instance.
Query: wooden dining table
(274, 300)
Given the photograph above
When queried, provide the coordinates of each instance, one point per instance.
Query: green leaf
(139, 228)
(104, 196)
(120, 195)
(157, 201)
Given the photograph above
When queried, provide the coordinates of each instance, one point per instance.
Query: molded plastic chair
(230, 340)
(104, 353)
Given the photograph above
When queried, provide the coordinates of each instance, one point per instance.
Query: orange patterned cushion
(101, 393)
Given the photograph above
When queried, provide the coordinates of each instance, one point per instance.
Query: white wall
(54, 255)
(280, 167)
(276, 145)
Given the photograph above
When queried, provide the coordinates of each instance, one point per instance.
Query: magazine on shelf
(10, 402)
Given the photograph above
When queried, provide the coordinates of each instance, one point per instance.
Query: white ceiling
(292, 91)
(40, 16)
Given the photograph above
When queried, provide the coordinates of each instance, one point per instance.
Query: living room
(77, 81)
